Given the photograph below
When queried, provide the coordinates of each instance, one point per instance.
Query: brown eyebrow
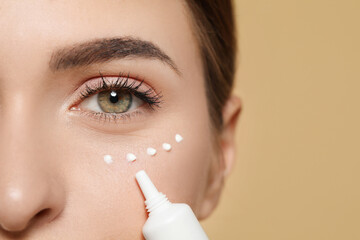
(105, 49)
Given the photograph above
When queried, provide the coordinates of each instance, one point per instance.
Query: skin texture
(54, 183)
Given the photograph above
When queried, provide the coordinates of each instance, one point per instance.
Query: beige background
(297, 174)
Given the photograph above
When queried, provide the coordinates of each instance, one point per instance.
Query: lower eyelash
(110, 117)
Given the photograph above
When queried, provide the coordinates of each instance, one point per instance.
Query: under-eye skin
(116, 99)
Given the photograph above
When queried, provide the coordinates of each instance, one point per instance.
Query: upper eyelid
(121, 82)
(107, 86)
(107, 79)
(121, 75)
(148, 93)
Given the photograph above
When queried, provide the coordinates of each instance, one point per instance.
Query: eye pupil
(114, 97)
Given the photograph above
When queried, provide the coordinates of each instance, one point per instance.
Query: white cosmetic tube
(167, 221)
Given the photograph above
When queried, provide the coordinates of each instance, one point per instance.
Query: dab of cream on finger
(178, 138)
(151, 151)
(130, 157)
(166, 147)
(108, 159)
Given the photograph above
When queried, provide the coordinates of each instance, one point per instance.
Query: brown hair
(214, 27)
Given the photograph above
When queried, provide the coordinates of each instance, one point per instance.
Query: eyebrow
(106, 49)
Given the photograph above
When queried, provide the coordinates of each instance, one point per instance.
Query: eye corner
(74, 108)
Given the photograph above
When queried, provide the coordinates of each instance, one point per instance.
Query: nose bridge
(17, 127)
(28, 183)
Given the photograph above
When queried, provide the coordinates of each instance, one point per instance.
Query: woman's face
(55, 127)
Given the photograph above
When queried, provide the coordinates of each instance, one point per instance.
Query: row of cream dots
(130, 157)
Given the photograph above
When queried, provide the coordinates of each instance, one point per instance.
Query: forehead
(39, 26)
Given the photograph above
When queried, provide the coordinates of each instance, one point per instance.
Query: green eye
(114, 101)
(120, 98)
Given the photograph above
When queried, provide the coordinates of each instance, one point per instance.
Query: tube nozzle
(147, 187)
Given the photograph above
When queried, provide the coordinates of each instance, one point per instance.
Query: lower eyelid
(101, 117)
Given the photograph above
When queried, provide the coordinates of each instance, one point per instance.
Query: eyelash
(152, 99)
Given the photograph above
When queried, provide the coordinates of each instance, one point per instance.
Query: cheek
(182, 173)
(101, 196)
(96, 188)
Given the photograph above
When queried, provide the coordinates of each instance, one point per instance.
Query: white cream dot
(166, 146)
(178, 138)
(108, 159)
(151, 151)
(130, 157)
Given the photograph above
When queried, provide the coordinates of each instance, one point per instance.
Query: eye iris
(114, 101)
